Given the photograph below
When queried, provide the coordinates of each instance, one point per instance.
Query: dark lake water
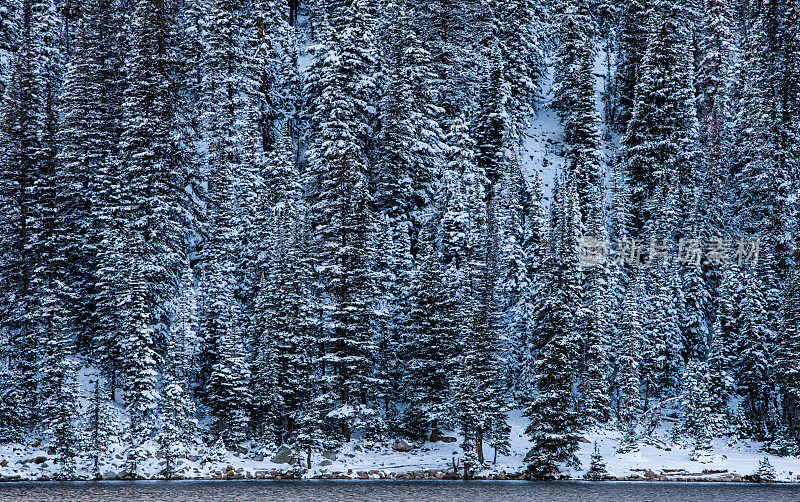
(391, 491)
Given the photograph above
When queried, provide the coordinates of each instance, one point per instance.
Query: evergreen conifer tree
(597, 468)
(554, 422)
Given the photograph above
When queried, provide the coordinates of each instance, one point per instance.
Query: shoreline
(421, 475)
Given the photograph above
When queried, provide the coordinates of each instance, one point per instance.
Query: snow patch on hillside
(542, 150)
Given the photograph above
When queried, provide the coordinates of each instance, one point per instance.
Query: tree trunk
(308, 457)
(479, 445)
(436, 434)
(113, 382)
(294, 6)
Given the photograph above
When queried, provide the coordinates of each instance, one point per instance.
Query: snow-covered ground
(542, 150)
(658, 459)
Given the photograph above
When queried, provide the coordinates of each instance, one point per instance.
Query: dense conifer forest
(304, 222)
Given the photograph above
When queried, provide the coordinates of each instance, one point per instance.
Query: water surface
(392, 491)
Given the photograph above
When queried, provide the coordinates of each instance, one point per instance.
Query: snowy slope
(542, 149)
(543, 146)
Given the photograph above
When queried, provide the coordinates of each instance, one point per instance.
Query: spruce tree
(629, 360)
(88, 140)
(555, 423)
(597, 468)
(754, 362)
(478, 404)
(763, 157)
(430, 345)
(410, 141)
(23, 160)
(661, 362)
(137, 353)
(179, 423)
(696, 413)
(657, 152)
(631, 45)
(101, 429)
(719, 379)
(9, 35)
(234, 158)
(713, 109)
(788, 352)
(341, 203)
(153, 174)
(517, 23)
(283, 335)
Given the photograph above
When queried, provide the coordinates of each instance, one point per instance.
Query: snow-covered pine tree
(229, 382)
(661, 362)
(754, 364)
(719, 379)
(100, 429)
(343, 240)
(9, 38)
(410, 143)
(534, 246)
(787, 358)
(88, 139)
(631, 44)
(50, 319)
(478, 400)
(153, 173)
(597, 468)
(517, 23)
(513, 283)
(450, 33)
(713, 110)
(26, 162)
(657, 149)
(696, 413)
(555, 424)
(178, 423)
(63, 413)
(478, 403)
(629, 360)
(696, 309)
(137, 350)
(340, 203)
(58, 386)
(153, 163)
(51, 322)
(595, 326)
(390, 302)
(763, 157)
(230, 120)
(284, 345)
(574, 99)
(765, 470)
(178, 417)
(493, 159)
(459, 176)
(279, 82)
(430, 346)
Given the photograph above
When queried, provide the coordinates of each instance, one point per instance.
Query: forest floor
(658, 458)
